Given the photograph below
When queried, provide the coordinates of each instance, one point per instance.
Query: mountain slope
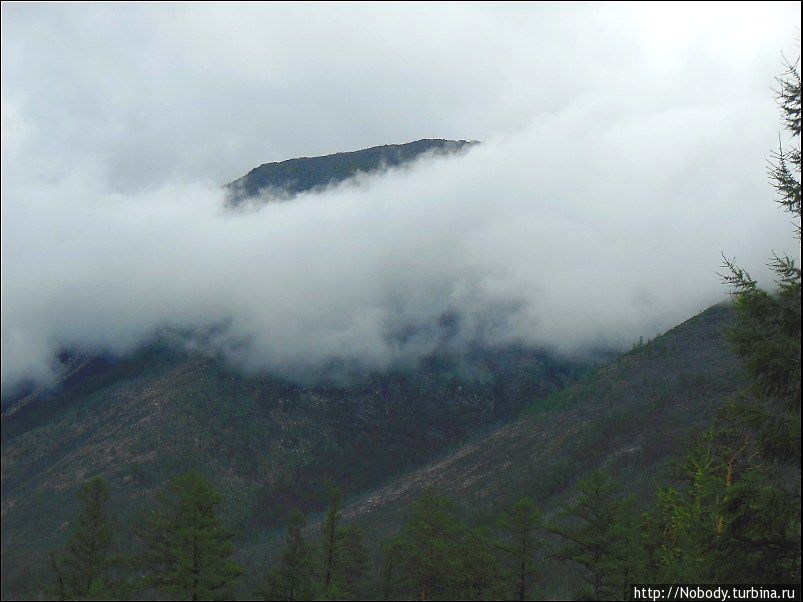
(268, 443)
(271, 445)
(630, 417)
(285, 179)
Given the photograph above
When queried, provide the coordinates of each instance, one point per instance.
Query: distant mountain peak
(285, 179)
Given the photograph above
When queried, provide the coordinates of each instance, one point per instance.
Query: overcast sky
(625, 148)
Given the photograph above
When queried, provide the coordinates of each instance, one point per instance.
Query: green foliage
(759, 433)
(391, 576)
(428, 549)
(85, 570)
(679, 531)
(331, 536)
(766, 335)
(519, 543)
(735, 516)
(785, 168)
(600, 536)
(482, 574)
(293, 576)
(343, 554)
(187, 553)
(351, 565)
(436, 556)
(760, 531)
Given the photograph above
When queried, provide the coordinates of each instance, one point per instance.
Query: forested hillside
(271, 444)
(629, 418)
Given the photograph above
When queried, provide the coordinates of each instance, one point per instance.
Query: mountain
(453, 420)
(272, 445)
(286, 179)
(269, 443)
(630, 417)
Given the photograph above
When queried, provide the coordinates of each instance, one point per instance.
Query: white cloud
(596, 210)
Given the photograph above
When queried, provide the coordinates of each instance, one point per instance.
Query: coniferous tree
(428, 549)
(351, 563)
(293, 576)
(631, 557)
(84, 570)
(391, 579)
(480, 567)
(519, 544)
(331, 536)
(758, 532)
(736, 518)
(343, 554)
(188, 551)
(595, 537)
(681, 524)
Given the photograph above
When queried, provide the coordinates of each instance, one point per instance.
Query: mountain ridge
(285, 179)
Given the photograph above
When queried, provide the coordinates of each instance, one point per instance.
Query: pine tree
(682, 526)
(188, 551)
(84, 570)
(343, 554)
(759, 526)
(520, 542)
(596, 537)
(351, 563)
(737, 516)
(331, 535)
(630, 550)
(292, 578)
(391, 578)
(428, 548)
(480, 567)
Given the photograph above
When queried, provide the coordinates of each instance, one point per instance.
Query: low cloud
(592, 218)
(560, 237)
